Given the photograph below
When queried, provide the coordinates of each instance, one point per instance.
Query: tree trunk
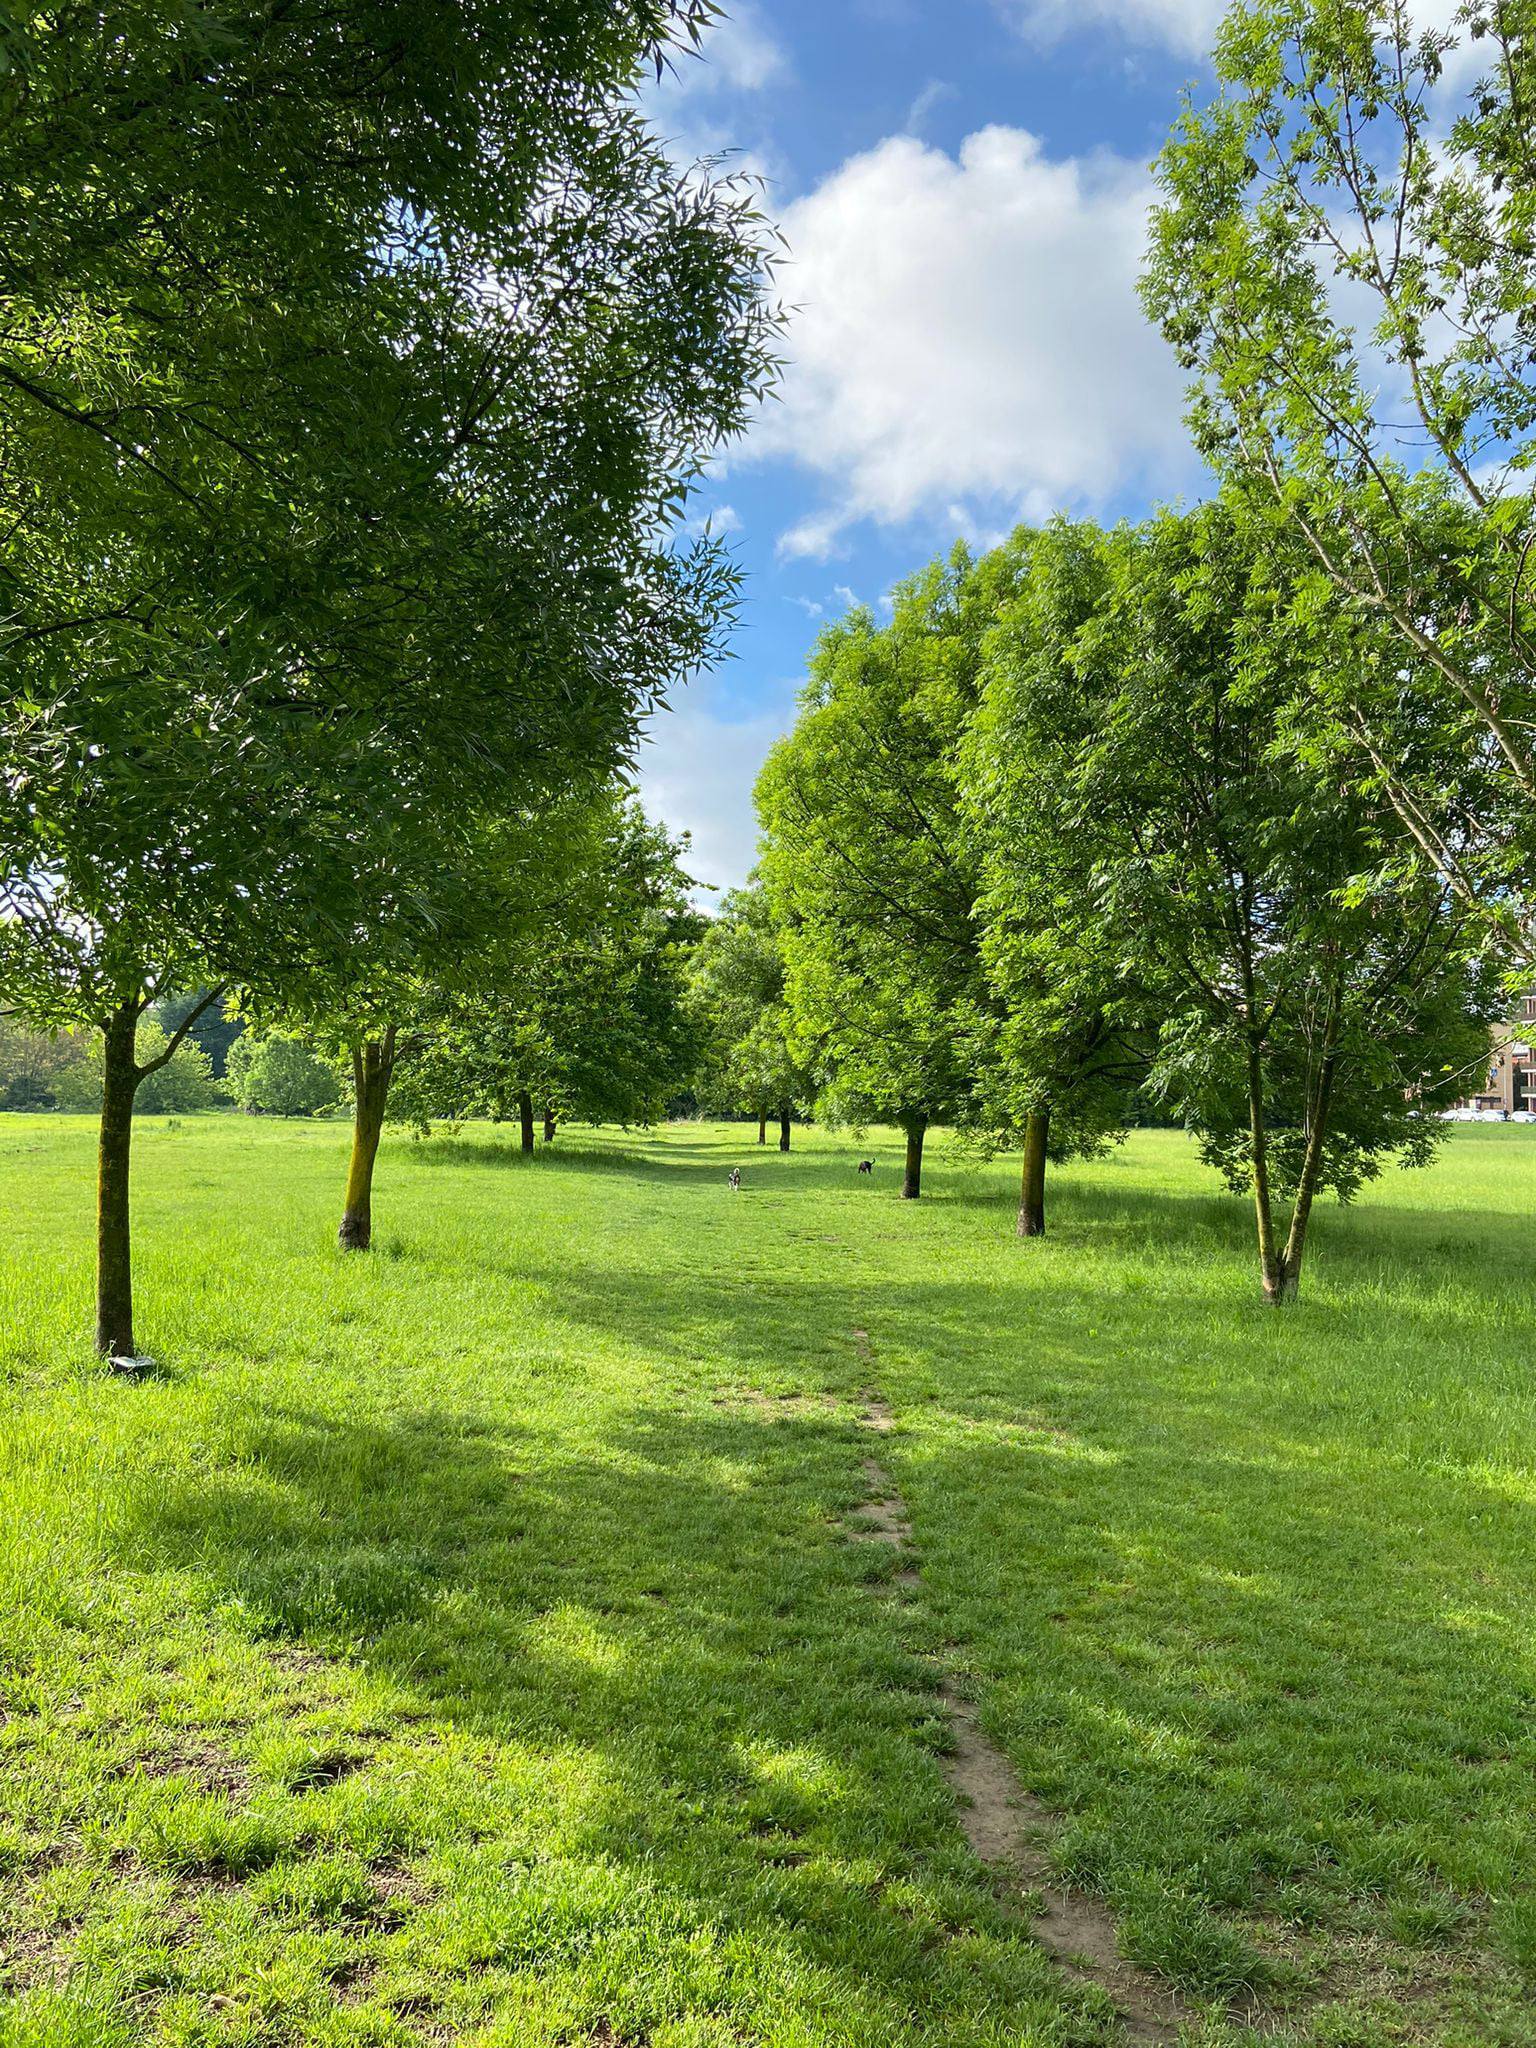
(549, 1125)
(912, 1178)
(1311, 1169)
(1037, 1137)
(784, 1128)
(373, 1068)
(114, 1253)
(525, 1118)
(1279, 1286)
(762, 1128)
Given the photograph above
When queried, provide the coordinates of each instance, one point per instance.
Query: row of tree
(1055, 841)
(357, 360)
(1239, 807)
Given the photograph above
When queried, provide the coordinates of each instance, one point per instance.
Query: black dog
(866, 1166)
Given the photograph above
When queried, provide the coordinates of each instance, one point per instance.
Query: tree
(1319, 1004)
(282, 1075)
(580, 1008)
(34, 1065)
(1345, 244)
(342, 419)
(1073, 1038)
(865, 861)
(736, 994)
(216, 1028)
(175, 1079)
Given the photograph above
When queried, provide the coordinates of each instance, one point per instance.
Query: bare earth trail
(1008, 1828)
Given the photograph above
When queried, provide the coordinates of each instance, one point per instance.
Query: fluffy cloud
(697, 771)
(1188, 26)
(969, 330)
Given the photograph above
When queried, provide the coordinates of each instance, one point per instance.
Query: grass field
(464, 1644)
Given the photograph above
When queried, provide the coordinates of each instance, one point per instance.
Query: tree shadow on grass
(694, 1741)
(1175, 1627)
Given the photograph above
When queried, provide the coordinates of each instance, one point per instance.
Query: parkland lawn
(465, 1643)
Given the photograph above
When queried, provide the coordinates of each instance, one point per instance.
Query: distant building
(1509, 1088)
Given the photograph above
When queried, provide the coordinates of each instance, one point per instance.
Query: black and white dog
(735, 1176)
(866, 1166)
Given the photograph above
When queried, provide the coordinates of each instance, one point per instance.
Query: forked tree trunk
(373, 1068)
(784, 1128)
(1319, 1110)
(912, 1178)
(525, 1118)
(549, 1125)
(114, 1241)
(762, 1128)
(1037, 1138)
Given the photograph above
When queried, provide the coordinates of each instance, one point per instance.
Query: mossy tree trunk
(1037, 1138)
(762, 1127)
(121, 1075)
(114, 1234)
(373, 1068)
(912, 1178)
(784, 1121)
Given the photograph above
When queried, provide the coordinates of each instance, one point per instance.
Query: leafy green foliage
(358, 363)
(184, 1085)
(583, 1006)
(1344, 244)
(34, 1065)
(1315, 1005)
(867, 869)
(1073, 1037)
(736, 998)
(282, 1074)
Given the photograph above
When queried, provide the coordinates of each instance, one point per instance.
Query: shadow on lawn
(1173, 1640)
(678, 1606)
(626, 1158)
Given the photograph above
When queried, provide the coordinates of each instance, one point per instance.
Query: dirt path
(1006, 1826)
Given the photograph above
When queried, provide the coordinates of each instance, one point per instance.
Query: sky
(962, 187)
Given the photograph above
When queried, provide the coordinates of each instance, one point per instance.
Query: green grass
(463, 1644)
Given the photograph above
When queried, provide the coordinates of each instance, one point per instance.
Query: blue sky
(963, 187)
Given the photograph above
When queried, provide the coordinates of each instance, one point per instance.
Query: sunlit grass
(451, 1646)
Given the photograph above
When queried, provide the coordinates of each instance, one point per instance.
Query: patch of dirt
(396, 1888)
(207, 1766)
(603, 2036)
(777, 1406)
(32, 1957)
(1007, 1827)
(882, 1518)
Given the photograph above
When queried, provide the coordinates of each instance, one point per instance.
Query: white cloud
(697, 775)
(933, 94)
(702, 98)
(970, 330)
(1188, 26)
(718, 521)
(743, 50)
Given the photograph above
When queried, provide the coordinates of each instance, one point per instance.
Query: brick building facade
(1509, 1086)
